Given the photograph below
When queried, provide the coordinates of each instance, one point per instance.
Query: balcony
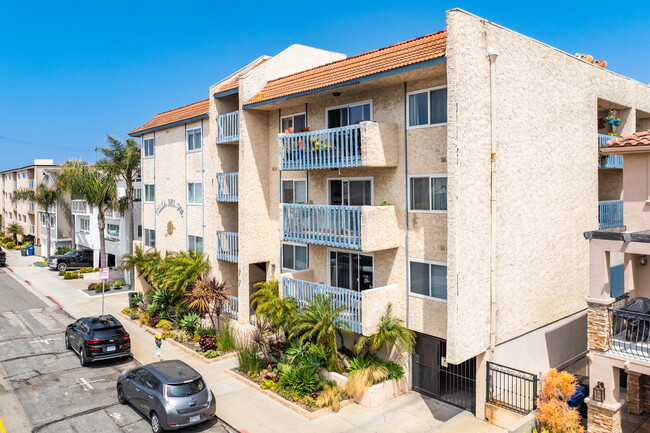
(366, 228)
(367, 144)
(228, 187)
(79, 207)
(610, 214)
(228, 127)
(630, 332)
(610, 161)
(31, 183)
(227, 246)
(231, 306)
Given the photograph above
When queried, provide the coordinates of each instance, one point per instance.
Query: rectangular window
(351, 271)
(350, 114)
(148, 147)
(294, 257)
(195, 243)
(194, 193)
(294, 191)
(24, 218)
(428, 193)
(32, 229)
(350, 192)
(137, 194)
(139, 232)
(427, 107)
(113, 231)
(150, 193)
(150, 238)
(32, 206)
(193, 139)
(44, 220)
(428, 279)
(293, 123)
(84, 224)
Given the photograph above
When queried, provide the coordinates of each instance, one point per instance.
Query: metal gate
(512, 389)
(432, 375)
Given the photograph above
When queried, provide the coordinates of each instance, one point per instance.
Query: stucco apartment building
(426, 174)
(27, 214)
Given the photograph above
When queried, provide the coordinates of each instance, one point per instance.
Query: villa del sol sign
(170, 202)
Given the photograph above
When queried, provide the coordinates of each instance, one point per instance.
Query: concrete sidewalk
(237, 404)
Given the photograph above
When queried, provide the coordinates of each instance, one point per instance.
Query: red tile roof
(413, 51)
(175, 115)
(636, 139)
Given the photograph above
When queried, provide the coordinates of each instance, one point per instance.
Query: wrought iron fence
(511, 389)
(630, 333)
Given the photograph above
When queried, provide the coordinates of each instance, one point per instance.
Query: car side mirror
(123, 372)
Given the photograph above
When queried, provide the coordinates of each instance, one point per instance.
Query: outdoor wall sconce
(643, 259)
(336, 93)
(599, 392)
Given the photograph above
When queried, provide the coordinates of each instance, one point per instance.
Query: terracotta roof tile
(175, 115)
(406, 53)
(636, 139)
(235, 80)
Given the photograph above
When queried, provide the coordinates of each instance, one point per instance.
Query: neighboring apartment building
(619, 320)
(116, 231)
(27, 214)
(334, 179)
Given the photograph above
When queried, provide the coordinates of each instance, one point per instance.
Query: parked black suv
(97, 337)
(73, 259)
(3, 258)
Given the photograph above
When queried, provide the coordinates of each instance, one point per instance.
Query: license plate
(195, 418)
(110, 349)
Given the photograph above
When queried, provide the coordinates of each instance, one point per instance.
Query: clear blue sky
(71, 72)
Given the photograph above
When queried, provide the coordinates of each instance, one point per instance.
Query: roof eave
(621, 150)
(388, 73)
(167, 125)
(226, 93)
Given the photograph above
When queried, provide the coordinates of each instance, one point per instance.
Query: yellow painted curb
(2, 428)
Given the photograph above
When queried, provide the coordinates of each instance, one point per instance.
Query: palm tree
(123, 161)
(319, 323)
(390, 332)
(141, 261)
(45, 197)
(280, 312)
(182, 269)
(207, 297)
(15, 229)
(98, 188)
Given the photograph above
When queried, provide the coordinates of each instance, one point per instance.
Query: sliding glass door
(351, 271)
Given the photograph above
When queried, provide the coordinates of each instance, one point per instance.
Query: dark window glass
(301, 257)
(366, 272)
(336, 192)
(299, 123)
(438, 106)
(439, 193)
(287, 191)
(287, 256)
(439, 281)
(343, 270)
(334, 118)
(185, 389)
(359, 113)
(360, 192)
(420, 278)
(420, 193)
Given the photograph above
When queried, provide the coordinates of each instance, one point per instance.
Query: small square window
(194, 139)
(148, 147)
(194, 193)
(294, 257)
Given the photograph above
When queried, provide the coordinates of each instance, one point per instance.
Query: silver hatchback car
(171, 393)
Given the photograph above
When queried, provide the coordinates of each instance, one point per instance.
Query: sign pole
(103, 275)
(103, 286)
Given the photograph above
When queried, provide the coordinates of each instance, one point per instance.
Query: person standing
(158, 341)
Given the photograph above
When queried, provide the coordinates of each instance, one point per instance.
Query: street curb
(30, 289)
(56, 302)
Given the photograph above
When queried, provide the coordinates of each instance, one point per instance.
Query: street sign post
(103, 275)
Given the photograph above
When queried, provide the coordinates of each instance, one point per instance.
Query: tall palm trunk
(101, 222)
(129, 210)
(48, 224)
(73, 240)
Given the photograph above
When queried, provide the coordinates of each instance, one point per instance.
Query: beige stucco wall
(610, 184)
(546, 193)
(636, 213)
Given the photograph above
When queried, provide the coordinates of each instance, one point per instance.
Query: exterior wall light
(643, 260)
(336, 93)
(599, 392)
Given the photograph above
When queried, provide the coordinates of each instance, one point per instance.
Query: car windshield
(185, 389)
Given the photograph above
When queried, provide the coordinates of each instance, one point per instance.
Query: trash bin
(30, 250)
(23, 251)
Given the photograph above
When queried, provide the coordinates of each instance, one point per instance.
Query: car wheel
(82, 357)
(155, 423)
(120, 395)
(67, 341)
(62, 267)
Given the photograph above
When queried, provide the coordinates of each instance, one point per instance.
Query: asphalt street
(43, 387)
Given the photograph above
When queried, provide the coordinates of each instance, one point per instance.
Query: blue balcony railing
(228, 127)
(348, 300)
(228, 187)
(328, 148)
(334, 226)
(227, 246)
(610, 214)
(231, 306)
(611, 161)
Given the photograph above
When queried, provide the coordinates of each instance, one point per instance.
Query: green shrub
(10, 245)
(269, 384)
(135, 315)
(69, 276)
(202, 330)
(118, 284)
(165, 325)
(61, 273)
(126, 311)
(181, 336)
(98, 288)
(61, 251)
(248, 357)
(96, 270)
(190, 322)
(363, 362)
(226, 338)
(135, 299)
(167, 334)
(301, 381)
(208, 342)
(210, 353)
(395, 370)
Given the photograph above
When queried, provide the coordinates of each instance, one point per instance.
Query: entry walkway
(237, 404)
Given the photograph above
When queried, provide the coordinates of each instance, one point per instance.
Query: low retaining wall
(383, 392)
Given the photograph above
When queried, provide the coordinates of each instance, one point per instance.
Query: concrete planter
(383, 392)
(338, 377)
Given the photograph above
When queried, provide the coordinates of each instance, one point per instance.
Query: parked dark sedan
(3, 258)
(170, 393)
(98, 337)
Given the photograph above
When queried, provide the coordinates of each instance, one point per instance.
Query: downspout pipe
(493, 199)
(406, 189)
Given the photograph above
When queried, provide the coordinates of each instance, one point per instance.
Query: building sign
(103, 273)
(170, 202)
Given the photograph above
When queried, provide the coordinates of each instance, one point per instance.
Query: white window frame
(357, 252)
(430, 176)
(428, 262)
(408, 110)
(138, 192)
(187, 141)
(353, 104)
(294, 180)
(146, 238)
(112, 237)
(372, 188)
(81, 225)
(188, 193)
(291, 116)
(144, 148)
(196, 237)
(295, 244)
(144, 186)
